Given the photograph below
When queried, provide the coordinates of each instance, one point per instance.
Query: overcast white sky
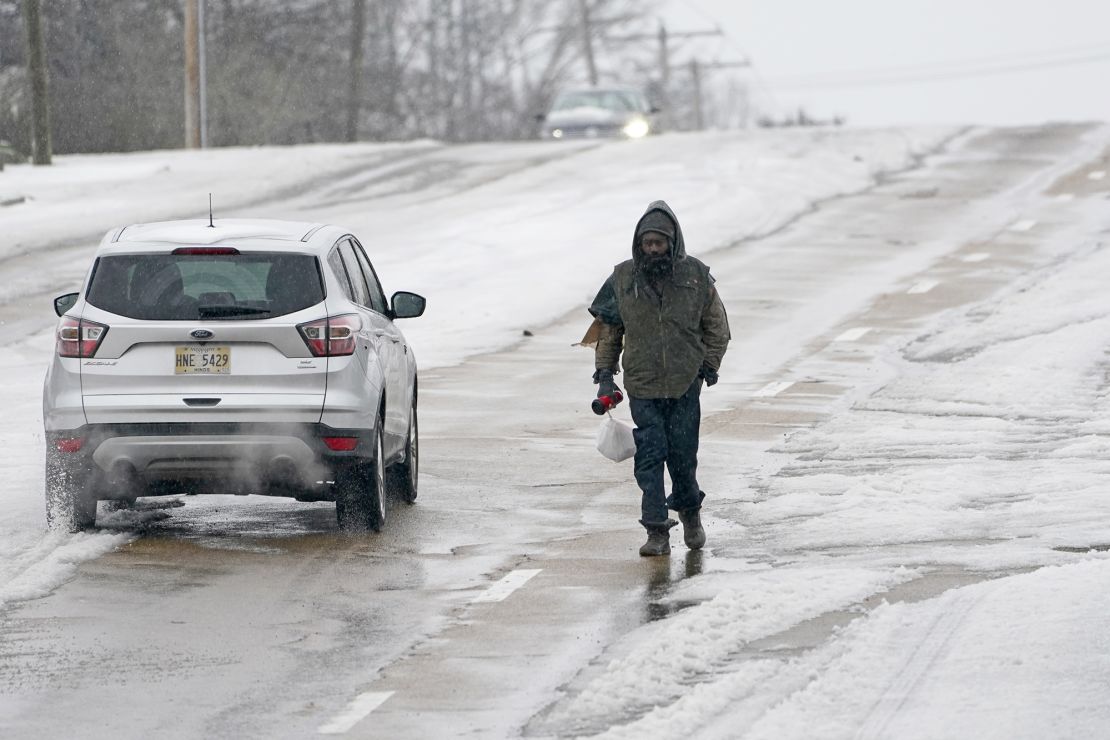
(805, 49)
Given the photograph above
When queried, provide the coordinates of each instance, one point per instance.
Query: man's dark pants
(667, 432)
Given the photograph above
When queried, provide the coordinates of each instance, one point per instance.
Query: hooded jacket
(668, 331)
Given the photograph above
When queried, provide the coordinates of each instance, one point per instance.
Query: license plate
(202, 360)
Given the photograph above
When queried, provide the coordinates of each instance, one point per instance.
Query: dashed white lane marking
(1065, 197)
(923, 287)
(1097, 175)
(355, 712)
(500, 590)
(977, 257)
(1025, 225)
(773, 389)
(853, 335)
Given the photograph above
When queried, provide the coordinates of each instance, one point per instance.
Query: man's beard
(657, 266)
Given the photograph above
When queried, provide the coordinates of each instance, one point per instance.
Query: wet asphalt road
(236, 617)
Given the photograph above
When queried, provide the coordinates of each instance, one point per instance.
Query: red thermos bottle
(601, 404)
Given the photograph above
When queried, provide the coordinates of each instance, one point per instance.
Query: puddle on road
(207, 530)
(665, 573)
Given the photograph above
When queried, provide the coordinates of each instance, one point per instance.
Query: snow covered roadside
(500, 237)
(82, 196)
(1020, 657)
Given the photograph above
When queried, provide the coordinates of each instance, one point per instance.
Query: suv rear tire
(403, 476)
(360, 492)
(70, 505)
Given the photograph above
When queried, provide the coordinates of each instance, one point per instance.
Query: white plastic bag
(615, 440)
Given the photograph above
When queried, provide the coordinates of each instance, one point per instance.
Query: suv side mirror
(405, 305)
(65, 302)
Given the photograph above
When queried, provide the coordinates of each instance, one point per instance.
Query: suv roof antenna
(210, 224)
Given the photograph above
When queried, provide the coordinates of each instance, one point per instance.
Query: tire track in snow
(923, 657)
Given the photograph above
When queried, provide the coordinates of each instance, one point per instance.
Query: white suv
(235, 356)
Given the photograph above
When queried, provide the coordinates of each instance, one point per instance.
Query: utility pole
(36, 63)
(664, 77)
(664, 57)
(587, 42)
(695, 80)
(192, 76)
(354, 87)
(202, 72)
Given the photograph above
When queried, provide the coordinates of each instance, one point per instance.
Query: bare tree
(293, 71)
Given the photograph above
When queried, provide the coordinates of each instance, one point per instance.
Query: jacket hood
(654, 211)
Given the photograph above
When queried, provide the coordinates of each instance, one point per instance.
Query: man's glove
(605, 384)
(708, 374)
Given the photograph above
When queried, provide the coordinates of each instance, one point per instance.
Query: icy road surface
(906, 458)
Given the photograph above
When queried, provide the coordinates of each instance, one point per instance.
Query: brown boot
(692, 531)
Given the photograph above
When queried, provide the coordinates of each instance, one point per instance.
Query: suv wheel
(403, 475)
(360, 492)
(70, 506)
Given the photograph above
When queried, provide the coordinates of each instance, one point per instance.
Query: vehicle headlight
(636, 129)
(556, 133)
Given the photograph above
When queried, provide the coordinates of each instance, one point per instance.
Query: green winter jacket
(666, 337)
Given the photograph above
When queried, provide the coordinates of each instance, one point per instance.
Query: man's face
(654, 244)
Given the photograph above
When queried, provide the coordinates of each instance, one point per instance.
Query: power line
(963, 62)
(731, 40)
(891, 76)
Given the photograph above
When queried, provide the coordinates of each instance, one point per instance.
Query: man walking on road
(662, 309)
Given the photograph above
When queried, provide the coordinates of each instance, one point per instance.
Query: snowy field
(979, 443)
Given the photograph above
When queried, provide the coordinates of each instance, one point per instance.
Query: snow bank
(982, 661)
(664, 658)
(32, 561)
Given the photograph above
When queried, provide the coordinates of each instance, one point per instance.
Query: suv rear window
(180, 287)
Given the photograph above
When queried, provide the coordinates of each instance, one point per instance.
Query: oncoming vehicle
(231, 356)
(600, 112)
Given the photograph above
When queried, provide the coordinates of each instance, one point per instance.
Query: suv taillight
(79, 337)
(331, 337)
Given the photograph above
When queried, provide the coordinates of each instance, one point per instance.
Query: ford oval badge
(200, 334)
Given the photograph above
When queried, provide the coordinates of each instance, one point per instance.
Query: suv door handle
(387, 335)
(202, 401)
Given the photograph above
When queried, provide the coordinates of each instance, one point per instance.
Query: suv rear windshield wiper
(213, 311)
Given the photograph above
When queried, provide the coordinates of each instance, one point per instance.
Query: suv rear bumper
(282, 459)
